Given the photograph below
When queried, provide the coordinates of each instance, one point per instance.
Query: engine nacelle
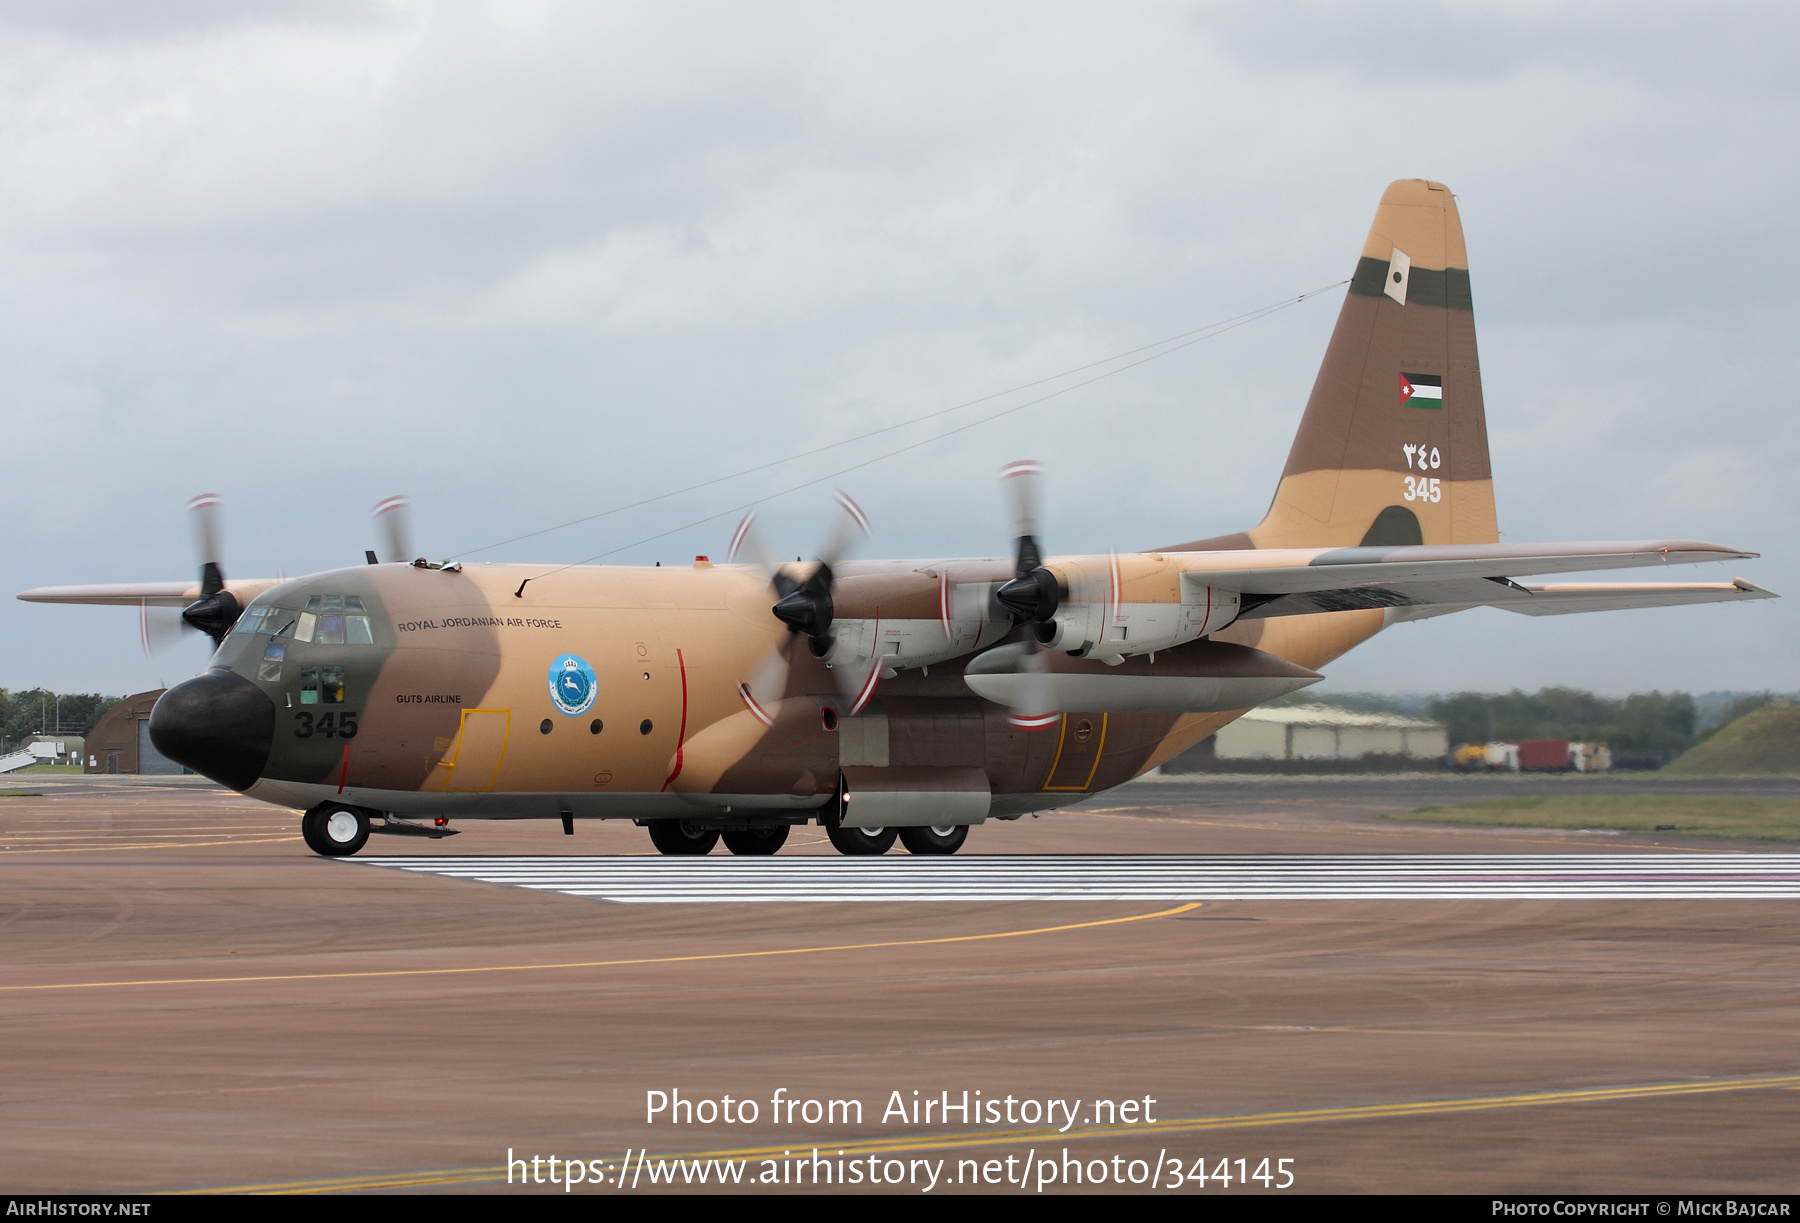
(1111, 631)
(909, 620)
(901, 644)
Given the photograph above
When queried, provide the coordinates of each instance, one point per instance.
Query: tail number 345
(1423, 488)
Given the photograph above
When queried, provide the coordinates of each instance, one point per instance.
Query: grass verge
(1762, 819)
(1764, 742)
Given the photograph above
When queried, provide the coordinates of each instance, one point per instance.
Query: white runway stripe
(901, 877)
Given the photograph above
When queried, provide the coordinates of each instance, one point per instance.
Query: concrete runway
(190, 999)
(1133, 877)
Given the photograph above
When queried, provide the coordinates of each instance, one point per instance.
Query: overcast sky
(527, 262)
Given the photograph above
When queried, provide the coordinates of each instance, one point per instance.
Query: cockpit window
(327, 620)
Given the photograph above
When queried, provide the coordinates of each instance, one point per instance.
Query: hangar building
(1315, 734)
(120, 741)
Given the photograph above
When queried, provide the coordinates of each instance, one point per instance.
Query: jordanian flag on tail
(1421, 391)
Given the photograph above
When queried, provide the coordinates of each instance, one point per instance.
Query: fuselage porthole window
(331, 685)
(309, 685)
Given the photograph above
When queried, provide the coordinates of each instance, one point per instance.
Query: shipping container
(1542, 755)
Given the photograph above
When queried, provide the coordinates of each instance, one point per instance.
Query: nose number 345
(330, 725)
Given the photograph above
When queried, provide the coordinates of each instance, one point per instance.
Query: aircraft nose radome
(218, 724)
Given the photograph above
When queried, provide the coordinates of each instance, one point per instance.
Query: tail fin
(1393, 446)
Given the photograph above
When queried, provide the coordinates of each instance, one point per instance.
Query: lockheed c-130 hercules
(885, 698)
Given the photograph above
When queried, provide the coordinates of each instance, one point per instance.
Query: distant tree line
(1650, 726)
(28, 712)
(1644, 730)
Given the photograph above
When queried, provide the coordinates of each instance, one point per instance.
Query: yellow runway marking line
(94, 835)
(670, 959)
(1184, 1125)
(98, 849)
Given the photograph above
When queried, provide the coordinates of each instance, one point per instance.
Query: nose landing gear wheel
(335, 831)
(860, 840)
(756, 841)
(680, 837)
(937, 839)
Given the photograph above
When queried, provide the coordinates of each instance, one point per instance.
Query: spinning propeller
(215, 611)
(1032, 595)
(804, 604)
(393, 523)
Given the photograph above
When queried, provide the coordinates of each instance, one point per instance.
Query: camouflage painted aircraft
(884, 699)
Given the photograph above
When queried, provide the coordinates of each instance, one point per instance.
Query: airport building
(1315, 736)
(120, 741)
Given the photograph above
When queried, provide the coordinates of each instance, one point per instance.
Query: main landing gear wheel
(860, 840)
(681, 837)
(750, 842)
(334, 830)
(937, 839)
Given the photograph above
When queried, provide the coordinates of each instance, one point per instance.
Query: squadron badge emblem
(572, 684)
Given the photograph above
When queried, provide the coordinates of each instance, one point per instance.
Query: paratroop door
(480, 746)
(1079, 744)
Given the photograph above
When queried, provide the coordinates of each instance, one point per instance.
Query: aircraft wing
(1562, 598)
(145, 594)
(1432, 580)
(1292, 570)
